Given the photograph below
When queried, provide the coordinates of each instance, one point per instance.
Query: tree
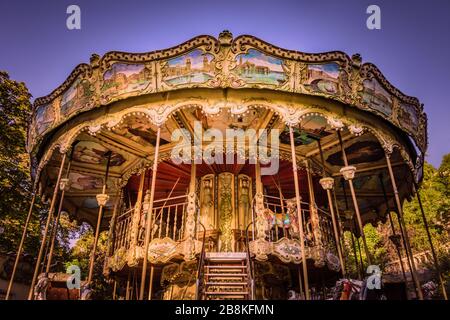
(80, 255)
(435, 195)
(15, 181)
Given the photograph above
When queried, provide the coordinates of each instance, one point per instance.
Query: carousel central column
(299, 214)
(149, 216)
(44, 237)
(348, 172)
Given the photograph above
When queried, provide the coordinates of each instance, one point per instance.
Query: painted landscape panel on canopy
(323, 78)
(44, 118)
(193, 67)
(370, 182)
(137, 129)
(76, 97)
(408, 117)
(94, 153)
(311, 128)
(83, 182)
(125, 78)
(377, 97)
(257, 67)
(358, 152)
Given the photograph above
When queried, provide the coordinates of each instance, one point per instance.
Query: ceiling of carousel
(133, 141)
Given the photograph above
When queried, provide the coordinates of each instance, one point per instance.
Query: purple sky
(411, 49)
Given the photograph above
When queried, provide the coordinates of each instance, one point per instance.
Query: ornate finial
(95, 58)
(225, 38)
(356, 59)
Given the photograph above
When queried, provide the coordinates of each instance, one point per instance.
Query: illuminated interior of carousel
(347, 146)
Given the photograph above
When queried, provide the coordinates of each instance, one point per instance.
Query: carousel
(146, 147)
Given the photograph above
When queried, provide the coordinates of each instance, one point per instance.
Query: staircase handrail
(200, 262)
(249, 262)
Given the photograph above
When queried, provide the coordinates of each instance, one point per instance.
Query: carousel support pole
(403, 226)
(150, 288)
(349, 216)
(397, 245)
(127, 292)
(63, 186)
(115, 290)
(19, 251)
(314, 215)
(47, 224)
(102, 199)
(299, 214)
(433, 251)
(340, 225)
(402, 235)
(281, 203)
(361, 262)
(327, 184)
(358, 269)
(349, 172)
(300, 284)
(149, 216)
(112, 227)
(152, 268)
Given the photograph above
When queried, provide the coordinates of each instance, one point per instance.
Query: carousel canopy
(116, 103)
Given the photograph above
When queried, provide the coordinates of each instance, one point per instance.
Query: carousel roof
(116, 103)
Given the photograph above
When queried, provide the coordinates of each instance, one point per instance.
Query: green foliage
(80, 255)
(434, 194)
(15, 181)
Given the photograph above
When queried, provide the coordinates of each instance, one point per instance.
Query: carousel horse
(429, 289)
(40, 290)
(281, 220)
(351, 289)
(85, 292)
(292, 295)
(348, 289)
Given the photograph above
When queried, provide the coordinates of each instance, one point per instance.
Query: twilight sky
(411, 49)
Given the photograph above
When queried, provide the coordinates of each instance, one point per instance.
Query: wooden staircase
(226, 277)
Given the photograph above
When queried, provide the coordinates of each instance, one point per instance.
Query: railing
(422, 260)
(122, 230)
(201, 262)
(326, 226)
(251, 278)
(168, 216)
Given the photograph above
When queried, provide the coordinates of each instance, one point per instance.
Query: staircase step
(226, 267)
(226, 274)
(217, 293)
(236, 297)
(226, 256)
(225, 284)
(227, 271)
